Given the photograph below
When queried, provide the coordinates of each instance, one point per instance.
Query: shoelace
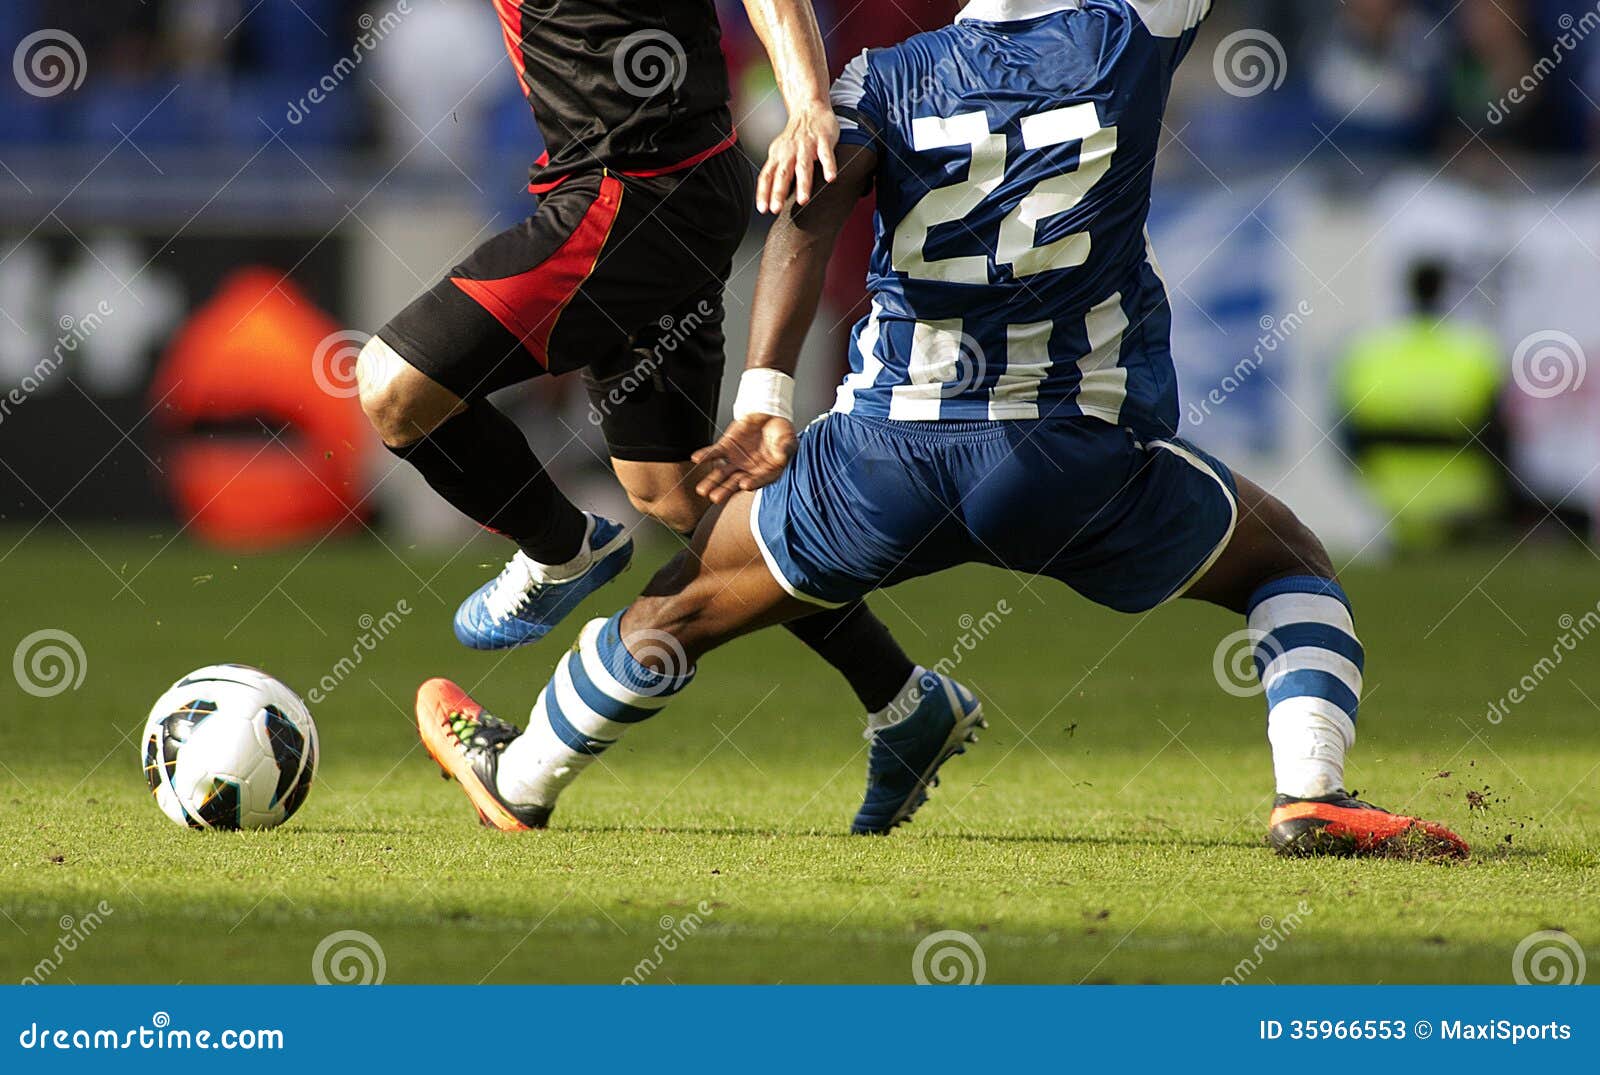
(512, 590)
(481, 731)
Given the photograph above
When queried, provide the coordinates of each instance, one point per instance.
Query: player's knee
(678, 509)
(391, 395)
(384, 398)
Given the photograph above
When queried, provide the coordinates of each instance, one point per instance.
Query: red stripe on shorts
(510, 12)
(529, 303)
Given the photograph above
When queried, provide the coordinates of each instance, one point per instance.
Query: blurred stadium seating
(1316, 153)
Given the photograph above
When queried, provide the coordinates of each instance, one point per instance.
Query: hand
(808, 139)
(752, 452)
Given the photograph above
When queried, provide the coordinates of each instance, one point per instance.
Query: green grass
(1108, 828)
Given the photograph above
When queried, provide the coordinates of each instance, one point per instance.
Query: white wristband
(764, 391)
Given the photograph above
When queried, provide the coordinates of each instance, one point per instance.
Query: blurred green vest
(1413, 395)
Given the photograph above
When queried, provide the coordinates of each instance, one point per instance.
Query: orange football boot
(1341, 825)
(466, 740)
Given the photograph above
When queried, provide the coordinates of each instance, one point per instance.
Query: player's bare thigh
(716, 589)
(1269, 542)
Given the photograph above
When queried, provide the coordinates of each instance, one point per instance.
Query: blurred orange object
(263, 438)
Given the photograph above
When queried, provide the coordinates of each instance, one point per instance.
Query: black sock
(858, 644)
(481, 463)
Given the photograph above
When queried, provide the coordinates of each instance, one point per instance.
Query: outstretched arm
(788, 29)
(755, 447)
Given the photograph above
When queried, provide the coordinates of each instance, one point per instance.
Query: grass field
(1107, 829)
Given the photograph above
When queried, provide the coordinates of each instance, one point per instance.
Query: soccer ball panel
(229, 747)
(288, 745)
(164, 734)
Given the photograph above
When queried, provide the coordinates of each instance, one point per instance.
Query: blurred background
(1378, 220)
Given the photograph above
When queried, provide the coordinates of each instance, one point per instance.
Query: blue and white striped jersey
(1012, 276)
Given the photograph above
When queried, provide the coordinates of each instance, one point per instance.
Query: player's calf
(471, 454)
(513, 777)
(477, 459)
(1309, 662)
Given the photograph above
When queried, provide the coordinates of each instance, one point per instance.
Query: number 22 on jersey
(1015, 244)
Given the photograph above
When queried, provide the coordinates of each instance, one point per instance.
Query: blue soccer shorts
(867, 503)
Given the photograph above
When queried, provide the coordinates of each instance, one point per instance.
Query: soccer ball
(229, 747)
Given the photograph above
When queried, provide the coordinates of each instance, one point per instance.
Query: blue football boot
(903, 762)
(515, 608)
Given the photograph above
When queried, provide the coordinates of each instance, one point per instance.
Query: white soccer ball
(229, 747)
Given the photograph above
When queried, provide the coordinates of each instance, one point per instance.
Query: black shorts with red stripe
(618, 275)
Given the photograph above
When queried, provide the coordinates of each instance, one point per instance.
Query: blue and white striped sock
(1309, 662)
(599, 690)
